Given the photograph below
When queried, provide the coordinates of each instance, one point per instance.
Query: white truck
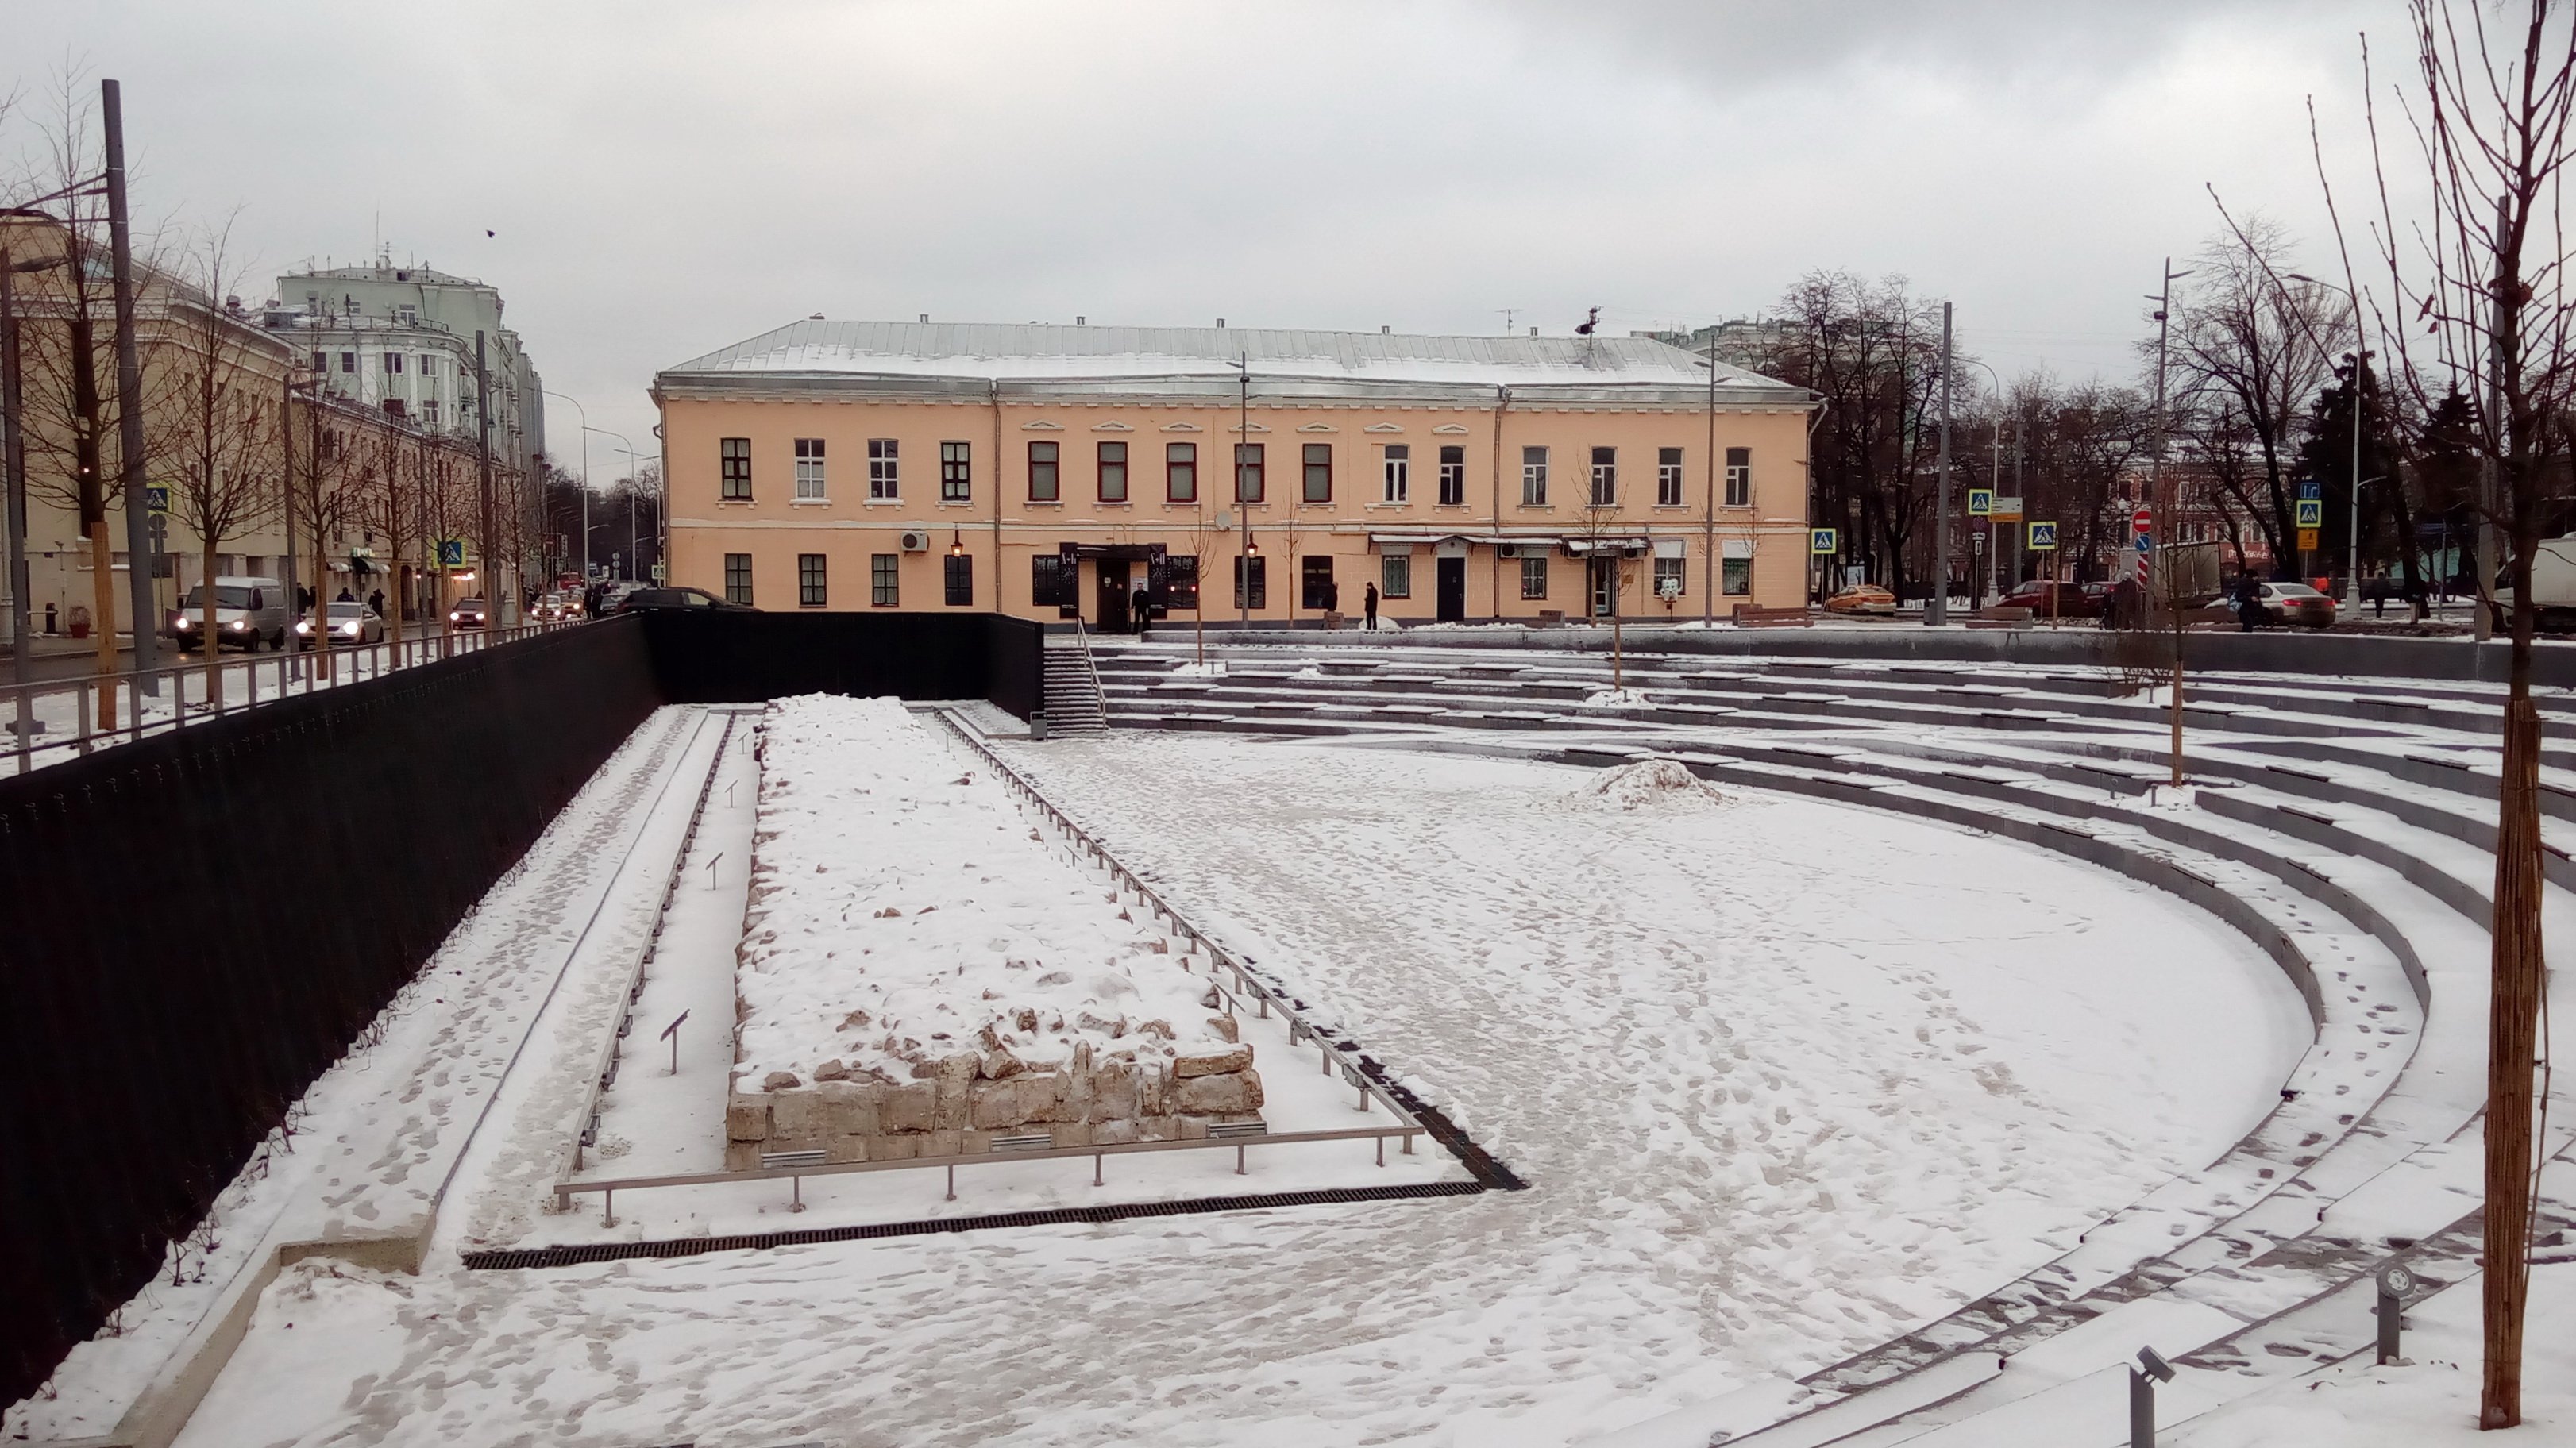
(2553, 588)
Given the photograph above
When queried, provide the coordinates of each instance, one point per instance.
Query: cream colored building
(1045, 471)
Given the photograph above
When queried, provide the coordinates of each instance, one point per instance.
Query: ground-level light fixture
(2142, 1396)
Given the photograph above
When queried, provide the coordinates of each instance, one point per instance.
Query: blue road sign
(156, 497)
(2043, 537)
(2310, 488)
(1820, 540)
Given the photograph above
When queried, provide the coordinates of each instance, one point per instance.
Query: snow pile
(1649, 784)
(903, 913)
(1619, 698)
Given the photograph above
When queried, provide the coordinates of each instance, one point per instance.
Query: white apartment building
(401, 338)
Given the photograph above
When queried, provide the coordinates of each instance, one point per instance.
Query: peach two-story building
(1259, 476)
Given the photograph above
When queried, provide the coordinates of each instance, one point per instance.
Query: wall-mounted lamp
(956, 543)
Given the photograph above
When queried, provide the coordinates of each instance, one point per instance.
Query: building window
(1534, 479)
(884, 569)
(1050, 582)
(809, 470)
(733, 461)
(393, 364)
(1453, 476)
(1669, 582)
(1181, 580)
(1668, 477)
(1319, 472)
(407, 314)
(429, 410)
(1248, 469)
(810, 589)
(1399, 472)
(1113, 472)
(1395, 576)
(321, 362)
(1735, 577)
(1315, 583)
(960, 568)
(737, 578)
(1042, 473)
(956, 472)
(1739, 478)
(881, 467)
(1181, 472)
(1605, 477)
(1260, 574)
(1533, 575)
(349, 362)
(428, 367)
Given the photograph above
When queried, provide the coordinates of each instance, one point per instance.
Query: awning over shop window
(1669, 548)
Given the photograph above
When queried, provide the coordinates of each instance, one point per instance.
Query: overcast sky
(664, 177)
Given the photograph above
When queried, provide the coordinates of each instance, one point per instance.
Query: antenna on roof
(1508, 314)
(1590, 326)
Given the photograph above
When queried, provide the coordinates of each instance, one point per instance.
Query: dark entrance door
(1453, 589)
(1112, 596)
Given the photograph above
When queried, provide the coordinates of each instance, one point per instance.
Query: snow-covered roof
(816, 354)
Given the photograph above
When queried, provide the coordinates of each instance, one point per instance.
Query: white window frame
(1605, 480)
(1739, 477)
(884, 470)
(811, 484)
(1533, 571)
(1668, 477)
(1397, 462)
(1533, 477)
(1395, 575)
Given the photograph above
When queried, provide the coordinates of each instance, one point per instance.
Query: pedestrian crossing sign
(1981, 502)
(451, 552)
(2043, 537)
(2312, 513)
(1821, 541)
(156, 497)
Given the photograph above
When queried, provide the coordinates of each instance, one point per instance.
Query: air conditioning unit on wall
(916, 540)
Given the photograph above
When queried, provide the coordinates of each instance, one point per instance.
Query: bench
(1754, 616)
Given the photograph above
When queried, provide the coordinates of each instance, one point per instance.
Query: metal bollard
(2142, 1396)
(2396, 1283)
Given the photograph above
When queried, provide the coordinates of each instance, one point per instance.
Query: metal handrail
(303, 666)
(1099, 696)
(1267, 995)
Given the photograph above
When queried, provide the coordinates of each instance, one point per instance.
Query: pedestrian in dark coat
(1139, 608)
(1370, 604)
(2249, 603)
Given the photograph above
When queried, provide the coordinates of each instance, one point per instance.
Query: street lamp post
(586, 430)
(1994, 486)
(634, 469)
(2360, 360)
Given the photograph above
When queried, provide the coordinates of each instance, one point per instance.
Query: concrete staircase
(1073, 703)
(2344, 825)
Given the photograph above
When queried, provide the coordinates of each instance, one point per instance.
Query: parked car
(2299, 604)
(349, 623)
(2071, 600)
(248, 612)
(654, 600)
(1863, 599)
(469, 613)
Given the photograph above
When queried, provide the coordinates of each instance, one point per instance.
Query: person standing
(376, 601)
(1368, 603)
(2249, 602)
(1138, 608)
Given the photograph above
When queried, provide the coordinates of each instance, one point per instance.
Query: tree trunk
(2512, 1028)
(211, 641)
(102, 602)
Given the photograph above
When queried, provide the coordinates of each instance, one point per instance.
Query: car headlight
(239, 625)
(183, 625)
(303, 628)
(350, 629)
(453, 616)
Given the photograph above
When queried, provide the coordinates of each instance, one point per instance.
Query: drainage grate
(575, 1254)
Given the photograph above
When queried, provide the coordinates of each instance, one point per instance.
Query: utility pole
(12, 410)
(484, 572)
(2164, 509)
(1707, 599)
(1243, 414)
(286, 496)
(129, 405)
(1936, 609)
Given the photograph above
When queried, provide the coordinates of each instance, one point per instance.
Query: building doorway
(1603, 581)
(1112, 595)
(1452, 589)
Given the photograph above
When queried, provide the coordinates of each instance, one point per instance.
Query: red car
(2072, 600)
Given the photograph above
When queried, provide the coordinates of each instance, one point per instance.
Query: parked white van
(248, 612)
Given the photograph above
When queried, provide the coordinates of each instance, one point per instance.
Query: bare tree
(219, 424)
(2477, 305)
(2248, 354)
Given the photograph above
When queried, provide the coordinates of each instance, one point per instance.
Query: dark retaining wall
(734, 658)
(196, 925)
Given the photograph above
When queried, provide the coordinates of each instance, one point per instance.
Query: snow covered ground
(1784, 1077)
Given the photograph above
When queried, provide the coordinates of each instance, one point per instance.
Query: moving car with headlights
(347, 623)
(469, 613)
(248, 612)
(1863, 600)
